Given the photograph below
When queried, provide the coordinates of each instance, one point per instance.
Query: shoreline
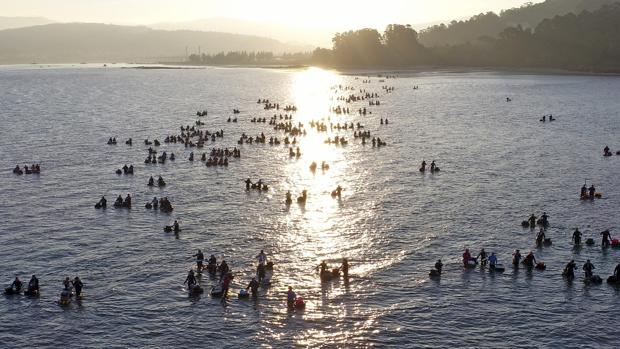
(412, 70)
(355, 71)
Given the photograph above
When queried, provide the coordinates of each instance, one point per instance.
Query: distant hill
(93, 42)
(20, 22)
(490, 24)
(281, 32)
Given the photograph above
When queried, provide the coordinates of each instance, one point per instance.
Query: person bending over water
(569, 270)
(253, 286)
(190, 280)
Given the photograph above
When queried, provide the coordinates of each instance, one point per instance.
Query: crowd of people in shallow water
(33, 169)
(529, 261)
(194, 137)
(70, 289)
(128, 170)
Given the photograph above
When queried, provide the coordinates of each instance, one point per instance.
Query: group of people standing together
(70, 288)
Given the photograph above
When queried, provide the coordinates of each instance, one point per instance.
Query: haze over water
(498, 165)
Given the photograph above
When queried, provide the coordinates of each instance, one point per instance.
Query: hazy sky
(319, 14)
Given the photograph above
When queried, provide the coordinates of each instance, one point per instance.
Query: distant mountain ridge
(281, 32)
(94, 42)
(20, 22)
(491, 24)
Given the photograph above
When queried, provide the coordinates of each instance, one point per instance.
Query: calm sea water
(499, 164)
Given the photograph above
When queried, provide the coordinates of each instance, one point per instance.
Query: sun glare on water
(312, 93)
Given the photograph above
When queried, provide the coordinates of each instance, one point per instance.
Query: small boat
(195, 290)
(31, 293)
(498, 268)
(217, 291)
(434, 273)
(11, 291)
(594, 279)
(472, 263)
(298, 304)
(65, 298)
(613, 280)
(330, 275)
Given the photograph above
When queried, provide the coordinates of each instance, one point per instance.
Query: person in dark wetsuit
(529, 260)
(33, 284)
(532, 220)
(248, 183)
(260, 270)
(540, 237)
(584, 191)
(200, 257)
(190, 280)
(16, 285)
(606, 238)
(483, 257)
(290, 297)
(253, 286)
(569, 270)
(226, 285)
(438, 266)
(345, 268)
(289, 200)
(323, 267)
(577, 237)
(127, 202)
(591, 191)
(78, 285)
(545, 219)
(224, 268)
(617, 271)
(175, 227)
(212, 266)
(587, 268)
(516, 258)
